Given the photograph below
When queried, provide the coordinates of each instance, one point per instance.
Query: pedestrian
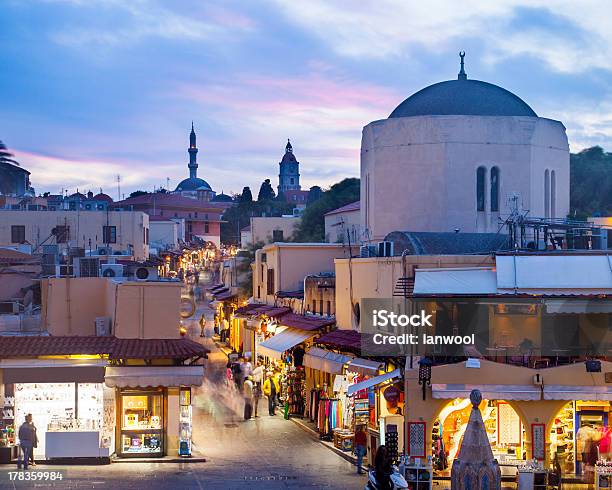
(202, 325)
(246, 367)
(28, 440)
(228, 373)
(360, 443)
(269, 389)
(247, 392)
(257, 375)
(383, 468)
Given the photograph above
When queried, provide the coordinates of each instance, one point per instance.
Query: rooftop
(353, 206)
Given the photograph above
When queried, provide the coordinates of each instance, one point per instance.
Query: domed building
(461, 155)
(194, 186)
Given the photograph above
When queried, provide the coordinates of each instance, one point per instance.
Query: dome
(103, 197)
(463, 97)
(222, 198)
(77, 195)
(193, 184)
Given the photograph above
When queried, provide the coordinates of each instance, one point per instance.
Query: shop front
(69, 403)
(154, 412)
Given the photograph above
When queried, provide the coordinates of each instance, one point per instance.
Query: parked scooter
(397, 480)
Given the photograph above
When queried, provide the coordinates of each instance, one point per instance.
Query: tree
(266, 193)
(314, 194)
(246, 195)
(312, 224)
(6, 156)
(591, 183)
(138, 193)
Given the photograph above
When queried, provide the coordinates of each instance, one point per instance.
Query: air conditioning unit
(385, 249)
(366, 251)
(87, 267)
(103, 326)
(50, 250)
(145, 274)
(63, 270)
(104, 251)
(111, 270)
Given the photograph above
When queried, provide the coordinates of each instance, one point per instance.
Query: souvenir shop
(503, 425)
(70, 406)
(576, 427)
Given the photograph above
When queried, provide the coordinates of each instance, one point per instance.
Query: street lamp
(425, 364)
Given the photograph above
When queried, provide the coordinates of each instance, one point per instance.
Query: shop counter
(74, 444)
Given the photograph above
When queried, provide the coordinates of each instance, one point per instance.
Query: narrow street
(266, 452)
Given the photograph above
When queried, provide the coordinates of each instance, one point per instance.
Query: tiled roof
(224, 296)
(169, 199)
(303, 322)
(114, 347)
(275, 311)
(341, 339)
(10, 256)
(353, 206)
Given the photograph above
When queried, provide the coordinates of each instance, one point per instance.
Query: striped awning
(326, 361)
(583, 393)
(489, 392)
(275, 346)
(364, 367)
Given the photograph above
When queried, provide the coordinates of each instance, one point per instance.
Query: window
(480, 188)
(553, 193)
(258, 291)
(314, 306)
(206, 227)
(195, 215)
(62, 233)
(142, 422)
(17, 234)
(329, 308)
(206, 216)
(109, 234)
(321, 307)
(146, 236)
(270, 282)
(547, 194)
(277, 235)
(292, 180)
(189, 227)
(495, 189)
(262, 273)
(294, 197)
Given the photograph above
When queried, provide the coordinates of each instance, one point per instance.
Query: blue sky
(94, 88)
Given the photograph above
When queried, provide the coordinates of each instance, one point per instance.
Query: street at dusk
(305, 244)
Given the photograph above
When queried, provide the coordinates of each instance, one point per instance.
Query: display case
(419, 477)
(141, 423)
(185, 422)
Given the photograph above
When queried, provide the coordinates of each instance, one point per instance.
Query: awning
(578, 306)
(281, 342)
(470, 280)
(376, 380)
(326, 361)
(52, 371)
(143, 376)
(225, 296)
(584, 393)
(304, 322)
(364, 366)
(489, 392)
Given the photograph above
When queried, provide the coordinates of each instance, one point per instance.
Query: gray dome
(463, 97)
(193, 184)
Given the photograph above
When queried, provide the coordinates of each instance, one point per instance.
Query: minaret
(193, 151)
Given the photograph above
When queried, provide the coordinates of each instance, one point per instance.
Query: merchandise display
(141, 422)
(185, 422)
(292, 387)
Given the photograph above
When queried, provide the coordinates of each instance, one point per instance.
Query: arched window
(494, 189)
(553, 193)
(480, 188)
(547, 194)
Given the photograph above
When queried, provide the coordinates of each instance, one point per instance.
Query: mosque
(461, 155)
(193, 186)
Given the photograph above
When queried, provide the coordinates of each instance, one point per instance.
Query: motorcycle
(397, 480)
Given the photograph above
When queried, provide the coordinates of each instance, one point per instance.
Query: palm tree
(6, 156)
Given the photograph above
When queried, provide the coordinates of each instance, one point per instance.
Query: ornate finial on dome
(462, 75)
(475, 398)
(289, 148)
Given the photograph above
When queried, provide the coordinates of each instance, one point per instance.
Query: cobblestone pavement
(266, 452)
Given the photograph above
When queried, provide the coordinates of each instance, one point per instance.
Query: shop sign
(416, 439)
(538, 441)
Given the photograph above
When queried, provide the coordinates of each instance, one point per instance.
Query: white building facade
(461, 155)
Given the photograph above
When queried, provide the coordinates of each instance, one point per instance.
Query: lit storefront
(109, 404)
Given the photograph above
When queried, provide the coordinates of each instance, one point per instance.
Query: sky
(92, 89)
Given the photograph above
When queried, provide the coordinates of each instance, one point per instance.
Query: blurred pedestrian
(269, 389)
(247, 392)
